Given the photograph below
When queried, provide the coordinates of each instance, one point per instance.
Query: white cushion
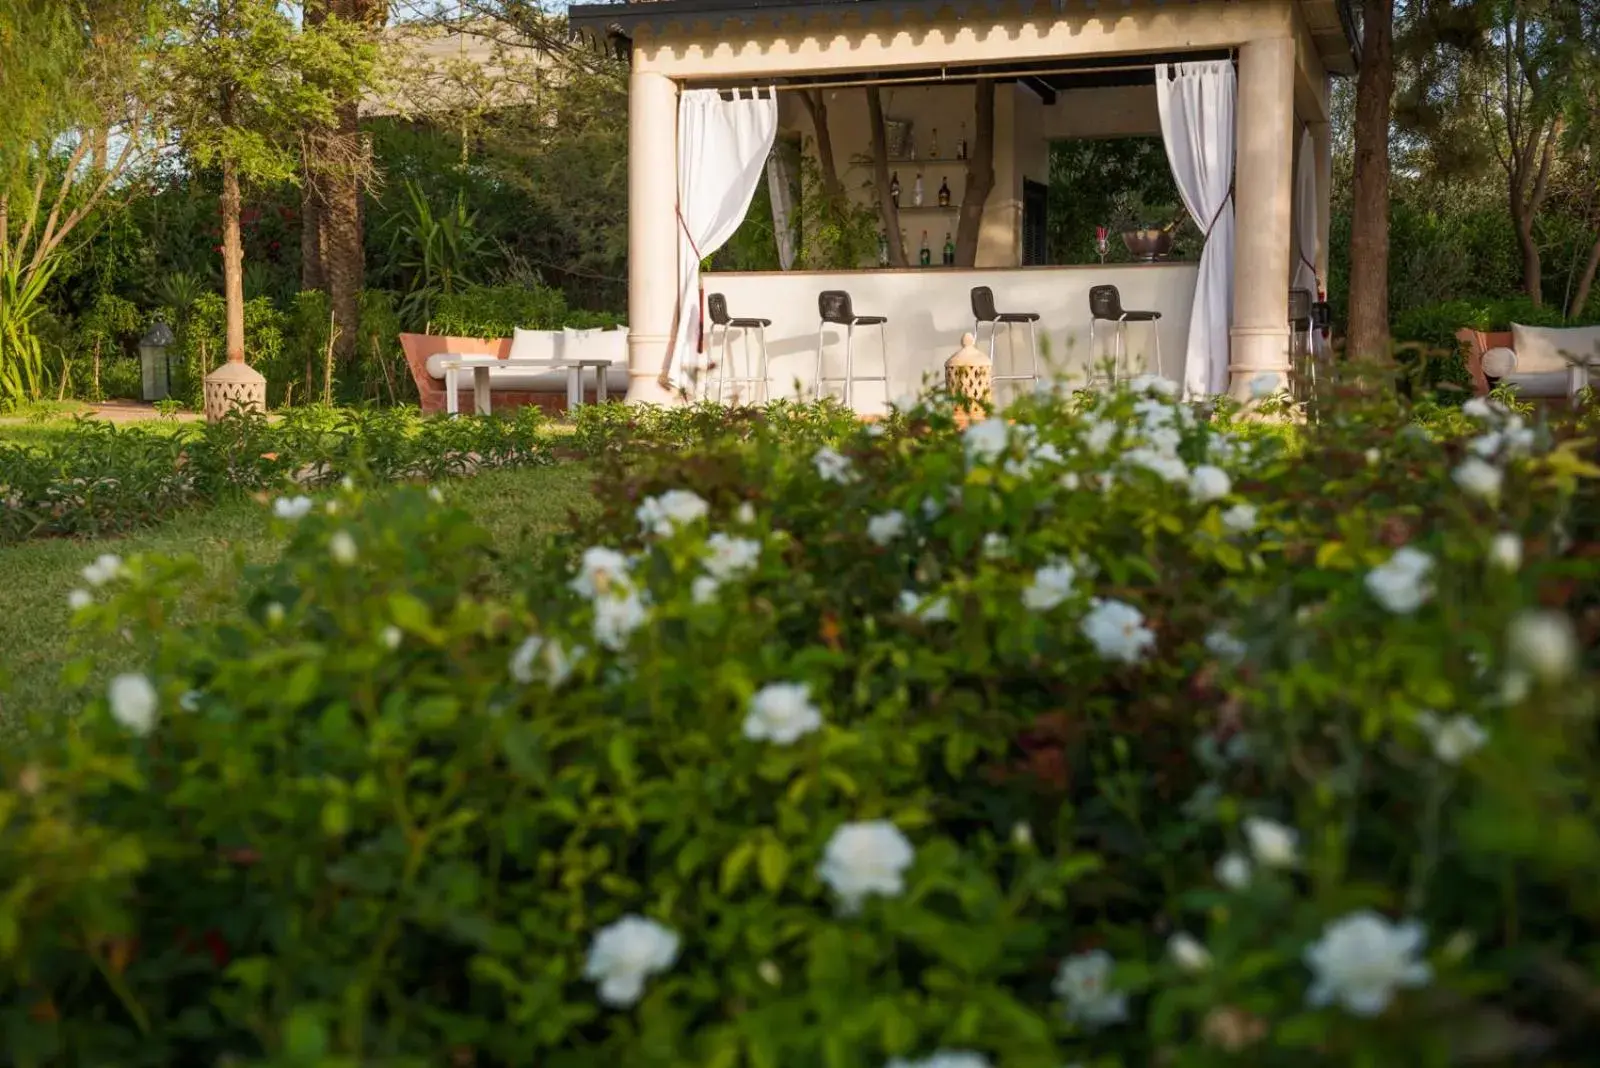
(1550, 350)
(531, 379)
(534, 344)
(580, 344)
(1499, 362)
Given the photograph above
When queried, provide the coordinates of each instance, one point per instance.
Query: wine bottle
(916, 193)
(925, 257)
(944, 193)
(933, 144)
(949, 250)
(894, 188)
(961, 145)
(911, 145)
(883, 248)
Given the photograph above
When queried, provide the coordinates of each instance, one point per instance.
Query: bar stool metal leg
(883, 350)
(761, 332)
(849, 364)
(817, 388)
(1033, 355)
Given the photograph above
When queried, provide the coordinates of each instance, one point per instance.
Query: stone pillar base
(234, 385)
(1259, 363)
(647, 382)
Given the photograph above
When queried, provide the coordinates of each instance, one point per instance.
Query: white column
(1322, 142)
(652, 231)
(1263, 206)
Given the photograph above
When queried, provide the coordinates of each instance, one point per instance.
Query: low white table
(480, 366)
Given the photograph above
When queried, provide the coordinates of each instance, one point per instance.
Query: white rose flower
(521, 665)
(292, 508)
(1155, 385)
(675, 508)
(1403, 583)
(1543, 643)
(1362, 960)
(435, 494)
(625, 954)
(1479, 408)
(1022, 835)
(616, 618)
(1097, 434)
(1207, 483)
(781, 713)
(1022, 469)
(1051, 585)
(863, 859)
(1518, 438)
(133, 703)
(1240, 519)
(831, 466)
(342, 547)
(1117, 631)
(107, 567)
(1233, 871)
(704, 589)
(876, 430)
(927, 609)
(1505, 551)
(1048, 454)
(1164, 439)
(1486, 445)
(769, 972)
(729, 557)
(190, 701)
(557, 663)
(1188, 952)
(1162, 463)
(1453, 739)
(1084, 983)
(1069, 481)
(1373, 456)
(391, 637)
(1224, 646)
(1478, 478)
(79, 599)
(985, 441)
(883, 529)
(601, 570)
(995, 546)
(745, 514)
(1272, 844)
(274, 614)
(944, 1059)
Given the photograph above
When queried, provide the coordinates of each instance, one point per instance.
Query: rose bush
(1102, 735)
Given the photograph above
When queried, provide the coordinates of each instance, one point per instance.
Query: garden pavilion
(1237, 89)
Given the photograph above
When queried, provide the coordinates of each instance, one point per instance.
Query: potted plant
(1147, 230)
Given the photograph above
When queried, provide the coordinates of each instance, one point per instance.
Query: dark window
(1035, 222)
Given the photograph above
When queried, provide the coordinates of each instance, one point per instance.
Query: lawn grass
(520, 509)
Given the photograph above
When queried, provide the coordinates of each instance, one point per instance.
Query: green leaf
(773, 864)
(335, 817)
(619, 751)
(734, 865)
(304, 1037)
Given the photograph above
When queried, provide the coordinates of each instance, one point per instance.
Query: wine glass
(1102, 243)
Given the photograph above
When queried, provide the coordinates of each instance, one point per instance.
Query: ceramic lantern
(969, 377)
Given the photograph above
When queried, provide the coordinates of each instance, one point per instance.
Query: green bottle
(925, 256)
(949, 250)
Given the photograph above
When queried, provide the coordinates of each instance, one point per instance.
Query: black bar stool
(833, 306)
(1302, 320)
(1105, 305)
(983, 311)
(717, 309)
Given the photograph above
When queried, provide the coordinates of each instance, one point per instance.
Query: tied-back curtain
(723, 147)
(1197, 102)
(780, 190)
(1308, 239)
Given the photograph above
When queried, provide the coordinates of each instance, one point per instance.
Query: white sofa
(1546, 361)
(549, 345)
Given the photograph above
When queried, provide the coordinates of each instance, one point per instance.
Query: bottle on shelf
(925, 255)
(883, 248)
(944, 193)
(916, 193)
(933, 144)
(961, 145)
(949, 250)
(911, 145)
(902, 241)
(894, 188)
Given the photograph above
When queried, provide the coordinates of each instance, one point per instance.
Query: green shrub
(103, 478)
(201, 345)
(495, 311)
(1112, 676)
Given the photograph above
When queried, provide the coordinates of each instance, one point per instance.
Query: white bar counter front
(929, 308)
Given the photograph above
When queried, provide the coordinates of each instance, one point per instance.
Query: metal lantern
(969, 377)
(154, 367)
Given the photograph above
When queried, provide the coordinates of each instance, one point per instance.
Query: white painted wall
(929, 310)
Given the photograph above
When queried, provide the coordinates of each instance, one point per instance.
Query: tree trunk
(345, 260)
(1532, 265)
(817, 107)
(232, 261)
(1369, 224)
(980, 177)
(1580, 299)
(1524, 212)
(887, 209)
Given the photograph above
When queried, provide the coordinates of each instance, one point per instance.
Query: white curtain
(1197, 102)
(780, 190)
(723, 147)
(1308, 238)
